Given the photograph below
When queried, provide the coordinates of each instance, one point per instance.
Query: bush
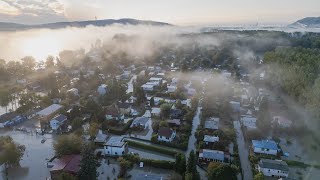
(152, 148)
(119, 131)
(297, 164)
(150, 162)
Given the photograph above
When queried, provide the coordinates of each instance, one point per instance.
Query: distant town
(195, 111)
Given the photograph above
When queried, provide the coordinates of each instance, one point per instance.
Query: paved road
(243, 153)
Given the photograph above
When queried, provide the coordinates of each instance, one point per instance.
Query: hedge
(150, 162)
(152, 148)
(123, 130)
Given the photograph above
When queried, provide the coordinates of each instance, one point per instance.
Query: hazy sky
(180, 12)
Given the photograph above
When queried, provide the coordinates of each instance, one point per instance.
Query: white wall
(114, 151)
(273, 172)
(265, 151)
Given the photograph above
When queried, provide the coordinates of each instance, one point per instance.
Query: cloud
(36, 11)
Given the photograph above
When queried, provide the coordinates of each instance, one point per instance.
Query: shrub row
(122, 131)
(150, 162)
(152, 148)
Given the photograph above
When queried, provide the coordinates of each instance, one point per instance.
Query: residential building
(112, 112)
(209, 155)
(171, 88)
(115, 146)
(155, 112)
(58, 121)
(148, 87)
(100, 138)
(102, 89)
(174, 122)
(49, 112)
(282, 121)
(73, 92)
(210, 139)
(273, 168)
(142, 122)
(166, 134)
(249, 122)
(265, 147)
(69, 164)
(212, 123)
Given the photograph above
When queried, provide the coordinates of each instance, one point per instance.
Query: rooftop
(212, 123)
(50, 110)
(208, 138)
(69, 163)
(267, 144)
(165, 131)
(274, 164)
(115, 141)
(60, 118)
(211, 154)
(140, 121)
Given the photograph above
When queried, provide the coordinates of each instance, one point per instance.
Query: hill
(106, 22)
(308, 22)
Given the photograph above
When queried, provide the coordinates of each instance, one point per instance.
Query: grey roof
(147, 177)
(212, 154)
(115, 141)
(60, 118)
(140, 121)
(100, 137)
(212, 123)
(208, 138)
(49, 110)
(274, 164)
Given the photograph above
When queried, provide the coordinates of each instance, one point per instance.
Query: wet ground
(33, 163)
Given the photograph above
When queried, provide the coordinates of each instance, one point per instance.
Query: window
(115, 153)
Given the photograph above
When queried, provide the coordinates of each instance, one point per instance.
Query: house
(142, 122)
(11, 119)
(157, 100)
(35, 86)
(191, 91)
(209, 155)
(174, 122)
(171, 88)
(282, 121)
(274, 168)
(210, 139)
(125, 108)
(102, 89)
(49, 112)
(21, 81)
(249, 122)
(235, 106)
(115, 146)
(100, 138)
(69, 164)
(148, 87)
(156, 80)
(155, 112)
(57, 121)
(265, 147)
(166, 134)
(113, 113)
(212, 123)
(73, 92)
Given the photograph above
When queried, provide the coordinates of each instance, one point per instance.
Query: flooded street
(33, 163)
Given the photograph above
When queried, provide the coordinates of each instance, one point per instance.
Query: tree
(124, 166)
(222, 172)
(212, 167)
(76, 123)
(165, 110)
(152, 102)
(88, 164)
(139, 93)
(192, 166)
(163, 124)
(180, 165)
(28, 64)
(11, 152)
(67, 144)
(259, 176)
(93, 129)
(4, 98)
(66, 176)
(50, 62)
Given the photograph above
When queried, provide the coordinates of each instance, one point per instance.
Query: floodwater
(33, 164)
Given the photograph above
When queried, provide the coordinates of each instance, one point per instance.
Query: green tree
(67, 144)
(259, 176)
(93, 129)
(88, 165)
(76, 123)
(50, 62)
(4, 98)
(165, 110)
(192, 166)
(66, 176)
(11, 152)
(222, 172)
(28, 64)
(180, 165)
(152, 102)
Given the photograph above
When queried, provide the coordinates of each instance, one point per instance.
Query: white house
(212, 123)
(115, 146)
(249, 122)
(265, 147)
(166, 134)
(58, 121)
(210, 139)
(211, 155)
(142, 122)
(102, 89)
(155, 112)
(148, 87)
(273, 168)
(171, 88)
(73, 91)
(282, 121)
(49, 111)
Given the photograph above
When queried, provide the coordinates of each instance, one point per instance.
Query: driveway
(243, 153)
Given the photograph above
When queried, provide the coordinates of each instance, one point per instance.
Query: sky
(178, 12)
